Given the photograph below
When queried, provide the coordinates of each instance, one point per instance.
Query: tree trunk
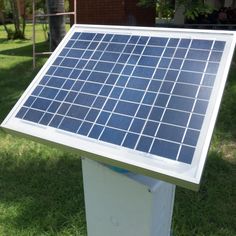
(19, 31)
(16, 19)
(56, 23)
(2, 19)
(233, 4)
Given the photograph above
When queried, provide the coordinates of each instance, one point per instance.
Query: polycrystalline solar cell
(141, 92)
(144, 143)
(150, 128)
(112, 136)
(137, 83)
(176, 117)
(208, 80)
(119, 121)
(185, 153)
(190, 77)
(143, 111)
(69, 124)
(137, 125)
(198, 54)
(201, 44)
(85, 128)
(165, 148)
(132, 95)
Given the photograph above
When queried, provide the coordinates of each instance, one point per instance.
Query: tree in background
(10, 9)
(57, 28)
(234, 4)
(164, 8)
(10, 12)
(193, 8)
(3, 13)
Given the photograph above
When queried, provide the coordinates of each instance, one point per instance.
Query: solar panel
(144, 99)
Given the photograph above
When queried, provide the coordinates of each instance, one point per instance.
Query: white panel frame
(175, 172)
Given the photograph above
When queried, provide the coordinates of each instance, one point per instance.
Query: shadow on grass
(211, 211)
(42, 196)
(24, 50)
(226, 123)
(2, 40)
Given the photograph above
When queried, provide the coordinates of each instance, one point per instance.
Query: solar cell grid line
(165, 109)
(128, 134)
(141, 132)
(143, 99)
(187, 125)
(124, 141)
(71, 72)
(151, 149)
(81, 90)
(195, 100)
(118, 99)
(135, 115)
(68, 92)
(95, 122)
(48, 107)
(104, 102)
(78, 93)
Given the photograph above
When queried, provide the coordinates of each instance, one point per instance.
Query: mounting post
(125, 204)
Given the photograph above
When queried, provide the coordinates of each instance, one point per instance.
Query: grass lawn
(41, 191)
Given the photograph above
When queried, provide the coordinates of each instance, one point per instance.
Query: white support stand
(125, 204)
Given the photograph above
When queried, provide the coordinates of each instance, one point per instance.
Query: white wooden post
(125, 204)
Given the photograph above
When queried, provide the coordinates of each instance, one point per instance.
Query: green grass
(41, 191)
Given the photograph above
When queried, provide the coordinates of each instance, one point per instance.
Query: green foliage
(195, 8)
(5, 7)
(11, 8)
(10, 33)
(40, 4)
(147, 3)
(67, 5)
(164, 8)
